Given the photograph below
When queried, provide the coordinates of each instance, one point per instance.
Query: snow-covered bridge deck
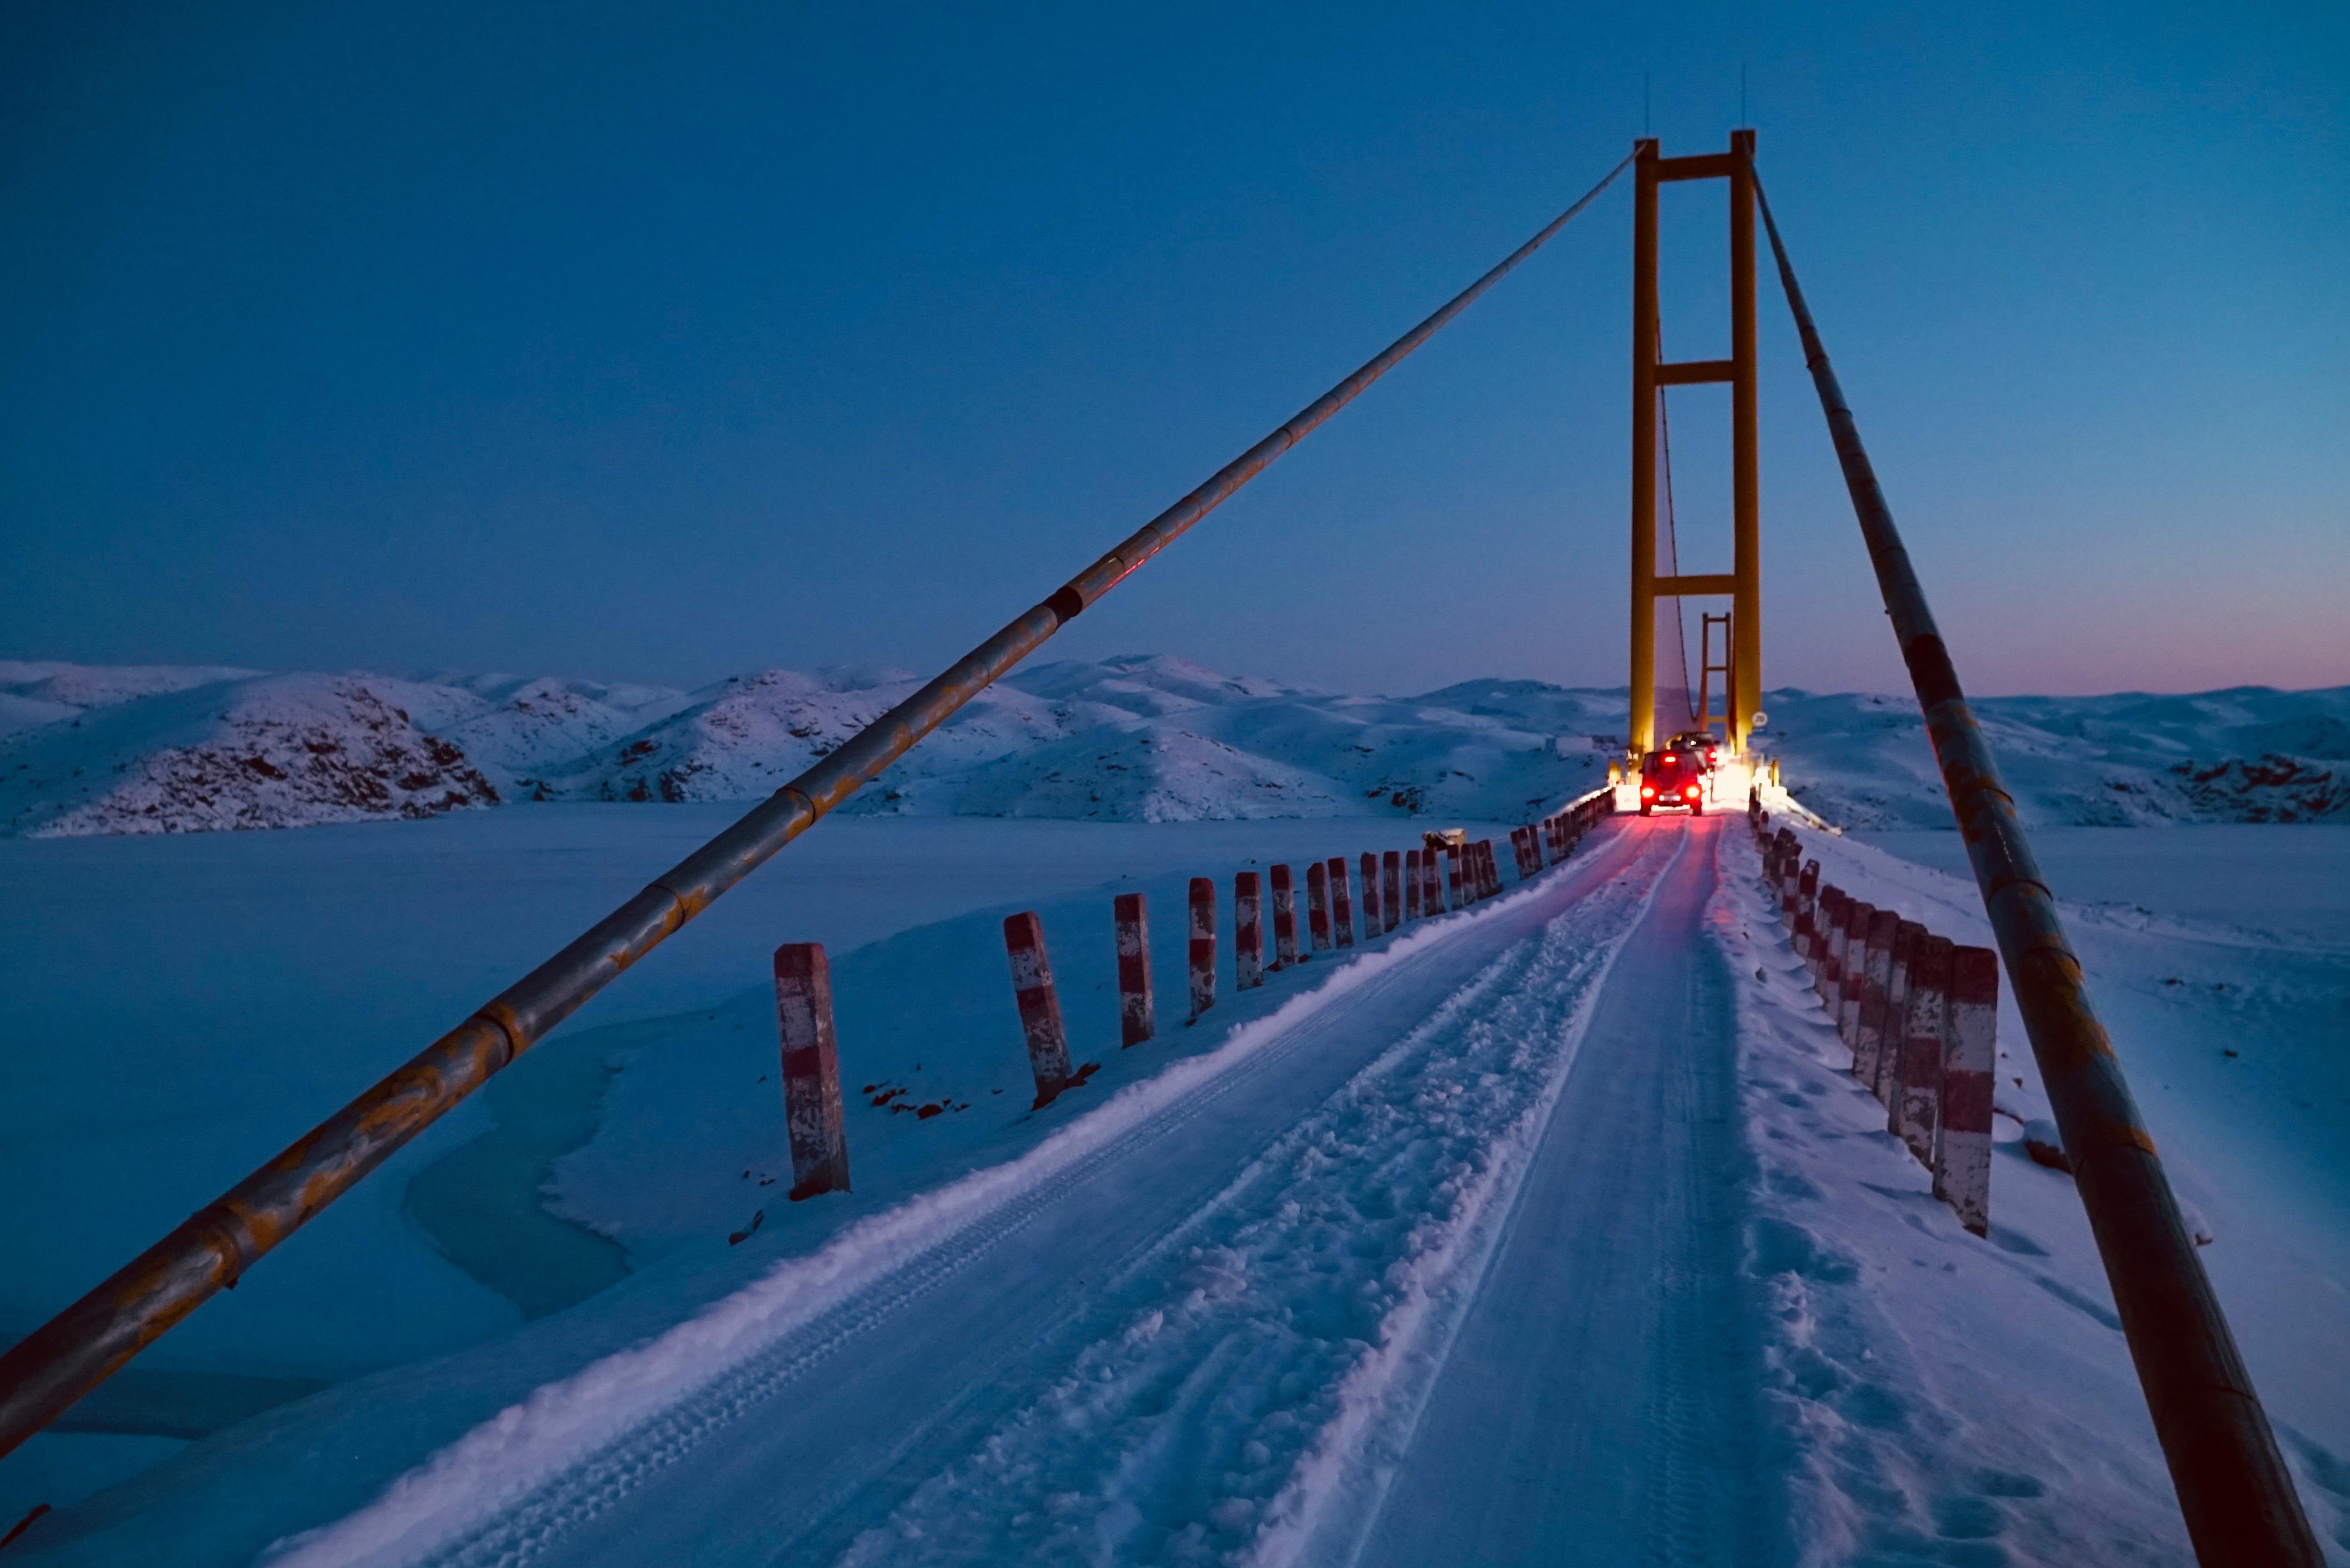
(1445, 1256)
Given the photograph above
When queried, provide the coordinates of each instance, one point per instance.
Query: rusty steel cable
(82, 1345)
(2233, 1488)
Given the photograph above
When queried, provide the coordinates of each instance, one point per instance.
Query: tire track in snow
(1234, 1367)
(1595, 1404)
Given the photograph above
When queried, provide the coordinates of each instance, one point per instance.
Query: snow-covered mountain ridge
(2248, 753)
(160, 749)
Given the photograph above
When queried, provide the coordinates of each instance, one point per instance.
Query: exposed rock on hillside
(281, 752)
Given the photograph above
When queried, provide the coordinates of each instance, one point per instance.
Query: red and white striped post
(811, 1071)
(1870, 1043)
(1828, 974)
(1918, 1087)
(1491, 864)
(1412, 907)
(1432, 884)
(1317, 906)
(1284, 918)
(1392, 905)
(1040, 1005)
(1203, 944)
(1342, 902)
(1908, 937)
(1840, 946)
(1869, 1029)
(1969, 1069)
(1909, 943)
(1134, 1011)
(1248, 933)
(1452, 900)
(1372, 925)
(1855, 969)
(1808, 915)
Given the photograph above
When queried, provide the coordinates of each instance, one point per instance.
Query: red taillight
(1691, 792)
(1648, 789)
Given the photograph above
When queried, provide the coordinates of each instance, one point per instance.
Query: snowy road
(1598, 1403)
(1408, 1205)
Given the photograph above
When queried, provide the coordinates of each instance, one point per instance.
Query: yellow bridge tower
(1743, 584)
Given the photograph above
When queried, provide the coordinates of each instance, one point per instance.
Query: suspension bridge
(1584, 1010)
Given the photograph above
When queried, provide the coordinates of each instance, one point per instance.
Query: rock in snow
(2046, 1144)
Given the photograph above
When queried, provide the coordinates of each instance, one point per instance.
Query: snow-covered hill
(85, 686)
(1140, 739)
(288, 751)
(528, 729)
(1136, 739)
(2248, 754)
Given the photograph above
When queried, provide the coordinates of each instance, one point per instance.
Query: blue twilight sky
(668, 341)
